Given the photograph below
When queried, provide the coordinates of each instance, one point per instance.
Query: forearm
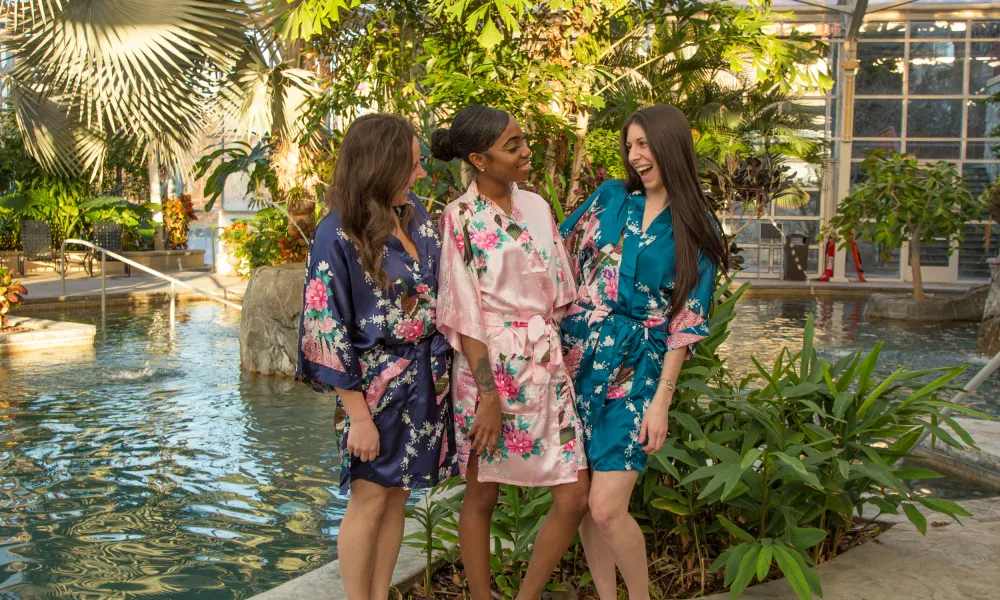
(482, 369)
(673, 361)
(354, 404)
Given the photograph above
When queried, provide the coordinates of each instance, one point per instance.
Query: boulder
(269, 325)
(950, 307)
(989, 332)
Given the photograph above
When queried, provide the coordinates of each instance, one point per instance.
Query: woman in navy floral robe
(369, 335)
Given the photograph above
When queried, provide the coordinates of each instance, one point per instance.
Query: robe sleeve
(327, 357)
(579, 231)
(690, 326)
(459, 308)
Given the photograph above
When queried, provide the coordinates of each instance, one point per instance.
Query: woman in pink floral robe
(505, 282)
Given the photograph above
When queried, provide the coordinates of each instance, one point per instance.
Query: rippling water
(148, 467)
(762, 327)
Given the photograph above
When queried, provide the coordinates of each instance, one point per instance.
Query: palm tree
(91, 74)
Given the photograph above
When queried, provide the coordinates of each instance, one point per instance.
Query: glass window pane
(934, 149)
(980, 175)
(986, 29)
(810, 208)
(977, 127)
(812, 265)
(934, 254)
(984, 64)
(749, 232)
(982, 150)
(937, 29)
(878, 118)
(972, 252)
(808, 228)
(857, 174)
(881, 68)
(873, 263)
(861, 149)
(883, 29)
(934, 118)
(937, 68)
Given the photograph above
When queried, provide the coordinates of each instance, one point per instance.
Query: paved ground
(46, 289)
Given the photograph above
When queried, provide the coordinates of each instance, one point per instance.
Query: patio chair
(36, 244)
(107, 235)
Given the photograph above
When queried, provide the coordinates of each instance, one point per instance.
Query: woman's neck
(658, 198)
(498, 192)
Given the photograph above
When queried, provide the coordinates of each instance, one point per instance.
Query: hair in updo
(473, 130)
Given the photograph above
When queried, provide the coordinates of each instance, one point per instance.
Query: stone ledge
(980, 466)
(967, 307)
(45, 334)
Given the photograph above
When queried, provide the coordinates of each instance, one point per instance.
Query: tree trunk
(153, 164)
(579, 153)
(918, 282)
(552, 156)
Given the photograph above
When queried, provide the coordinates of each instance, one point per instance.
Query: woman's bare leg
(357, 541)
(619, 533)
(474, 530)
(390, 538)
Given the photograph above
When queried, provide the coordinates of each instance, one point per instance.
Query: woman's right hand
(362, 440)
(485, 431)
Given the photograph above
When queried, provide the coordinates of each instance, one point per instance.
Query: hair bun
(442, 147)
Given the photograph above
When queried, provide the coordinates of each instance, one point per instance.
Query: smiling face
(640, 157)
(417, 172)
(509, 159)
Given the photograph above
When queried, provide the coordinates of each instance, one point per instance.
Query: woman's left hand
(655, 424)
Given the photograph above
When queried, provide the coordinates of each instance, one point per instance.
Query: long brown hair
(373, 166)
(696, 227)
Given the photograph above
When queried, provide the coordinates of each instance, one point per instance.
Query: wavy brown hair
(373, 166)
(696, 228)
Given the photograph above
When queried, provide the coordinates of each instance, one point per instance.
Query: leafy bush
(12, 294)
(264, 241)
(136, 220)
(10, 229)
(604, 149)
(178, 213)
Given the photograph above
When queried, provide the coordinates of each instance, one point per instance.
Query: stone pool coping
(43, 333)
(979, 466)
(952, 561)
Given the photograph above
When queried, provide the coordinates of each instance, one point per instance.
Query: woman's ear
(478, 161)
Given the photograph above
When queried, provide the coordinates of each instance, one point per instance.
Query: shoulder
(330, 234)
(611, 191)
(419, 210)
(463, 205)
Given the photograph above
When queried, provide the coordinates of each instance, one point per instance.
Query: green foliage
(10, 229)
(263, 241)
(516, 521)
(12, 294)
(136, 220)
(438, 525)
(52, 199)
(234, 158)
(604, 149)
(901, 199)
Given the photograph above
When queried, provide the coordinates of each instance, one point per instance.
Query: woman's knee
(481, 497)
(606, 515)
(370, 499)
(573, 504)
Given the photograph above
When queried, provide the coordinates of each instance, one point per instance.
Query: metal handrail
(105, 252)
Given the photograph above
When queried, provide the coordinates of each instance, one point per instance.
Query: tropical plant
(517, 518)
(10, 229)
(604, 150)
(12, 294)
(263, 241)
(135, 219)
(438, 534)
(178, 213)
(50, 198)
(904, 201)
(745, 186)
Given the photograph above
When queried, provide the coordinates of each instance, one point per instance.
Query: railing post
(104, 286)
(62, 262)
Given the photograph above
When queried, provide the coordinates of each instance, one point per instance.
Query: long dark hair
(696, 227)
(373, 166)
(473, 130)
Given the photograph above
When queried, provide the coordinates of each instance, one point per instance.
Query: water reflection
(151, 468)
(762, 327)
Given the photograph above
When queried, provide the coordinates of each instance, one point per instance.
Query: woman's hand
(655, 424)
(485, 431)
(362, 439)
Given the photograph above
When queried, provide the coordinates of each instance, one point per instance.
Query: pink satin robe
(506, 281)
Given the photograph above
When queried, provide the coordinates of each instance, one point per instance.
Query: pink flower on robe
(325, 325)
(572, 359)
(506, 386)
(409, 330)
(570, 446)
(316, 297)
(485, 239)
(654, 321)
(518, 442)
(615, 391)
(423, 288)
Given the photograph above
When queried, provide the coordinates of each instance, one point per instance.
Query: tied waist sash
(543, 343)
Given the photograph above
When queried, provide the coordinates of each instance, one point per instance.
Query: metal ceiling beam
(889, 6)
(829, 7)
(856, 19)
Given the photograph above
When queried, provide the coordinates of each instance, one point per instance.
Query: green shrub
(604, 149)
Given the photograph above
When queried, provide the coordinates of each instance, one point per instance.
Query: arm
(655, 423)
(485, 431)
(363, 439)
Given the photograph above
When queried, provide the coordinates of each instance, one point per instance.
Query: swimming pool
(150, 467)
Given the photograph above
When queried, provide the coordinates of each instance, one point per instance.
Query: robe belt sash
(543, 345)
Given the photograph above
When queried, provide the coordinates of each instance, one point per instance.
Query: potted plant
(233, 238)
(12, 295)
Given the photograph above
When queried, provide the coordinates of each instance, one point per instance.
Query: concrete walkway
(952, 562)
(83, 291)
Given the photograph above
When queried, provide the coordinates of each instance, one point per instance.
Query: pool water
(148, 466)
